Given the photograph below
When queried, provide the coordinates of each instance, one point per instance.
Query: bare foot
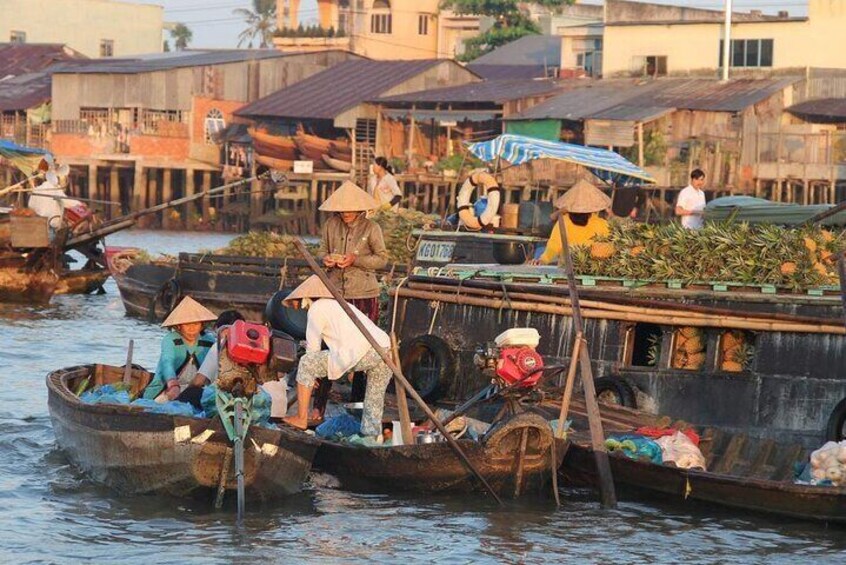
(316, 415)
(296, 422)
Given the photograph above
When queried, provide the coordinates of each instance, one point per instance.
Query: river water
(49, 512)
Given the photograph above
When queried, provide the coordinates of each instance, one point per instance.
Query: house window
(643, 345)
(381, 20)
(214, 124)
(17, 37)
(656, 66)
(749, 53)
(423, 24)
(107, 48)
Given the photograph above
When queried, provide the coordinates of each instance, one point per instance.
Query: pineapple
(788, 268)
(693, 345)
(731, 367)
(689, 331)
(810, 244)
(695, 361)
(601, 250)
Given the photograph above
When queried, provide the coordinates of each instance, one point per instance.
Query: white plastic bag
(681, 450)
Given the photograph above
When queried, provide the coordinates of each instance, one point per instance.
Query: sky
(215, 26)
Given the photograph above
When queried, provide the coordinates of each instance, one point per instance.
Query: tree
(261, 23)
(181, 35)
(510, 22)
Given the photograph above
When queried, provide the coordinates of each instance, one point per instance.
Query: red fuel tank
(521, 365)
(248, 343)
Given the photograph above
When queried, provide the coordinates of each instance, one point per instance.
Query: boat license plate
(435, 251)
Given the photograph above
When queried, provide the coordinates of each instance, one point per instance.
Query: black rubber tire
(432, 386)
(620, 389)
(166, 298)
(281, 318)
(836, 428)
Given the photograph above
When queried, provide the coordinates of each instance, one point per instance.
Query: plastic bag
(171, 408)
(680, 449)
(106, 394)
(260, 409)
(636, 447)
(339, 427)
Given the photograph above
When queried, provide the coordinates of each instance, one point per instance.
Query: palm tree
(181, 36)
(261, 23)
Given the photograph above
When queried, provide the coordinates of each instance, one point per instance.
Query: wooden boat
(742, 473)
(135, 452)
(266, 150)
(340, 151)
(220, 282)
(313, 141)
(82, 281)
(310, 153)
(435, 467)
(278, 142)
(337, 164)
(275, 164)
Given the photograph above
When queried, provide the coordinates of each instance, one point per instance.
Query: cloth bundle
(635, 447)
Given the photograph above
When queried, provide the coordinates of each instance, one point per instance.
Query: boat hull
(134, 452)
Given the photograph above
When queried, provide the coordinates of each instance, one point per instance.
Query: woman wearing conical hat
(581, 206)
(184, 348)
(347, 350)
(353, 248)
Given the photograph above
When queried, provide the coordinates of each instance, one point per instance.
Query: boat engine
(253, 354)
(511, 360)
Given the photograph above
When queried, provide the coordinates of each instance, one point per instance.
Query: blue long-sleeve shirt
(174, 355)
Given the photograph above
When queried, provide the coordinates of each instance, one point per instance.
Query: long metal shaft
(239, 458)
(386, 357)
(597, 436)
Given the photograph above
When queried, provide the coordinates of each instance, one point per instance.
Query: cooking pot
(510, 252)
(428, 437)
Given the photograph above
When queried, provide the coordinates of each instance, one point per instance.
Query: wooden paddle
(386, 357)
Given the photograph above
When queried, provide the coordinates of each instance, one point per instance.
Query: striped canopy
(611, 167)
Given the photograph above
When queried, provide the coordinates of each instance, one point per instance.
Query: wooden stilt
(206, 185)
(190, 190)
(167, 196)
(114, 192)
(139, 188)
(92, 181)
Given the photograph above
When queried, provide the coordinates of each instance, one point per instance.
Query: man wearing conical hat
(348, 350)
(184, 348)
(580, 206)
(352, 249)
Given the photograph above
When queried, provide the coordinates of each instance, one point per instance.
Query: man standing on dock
(691, 202)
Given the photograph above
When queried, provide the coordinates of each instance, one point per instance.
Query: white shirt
(692, 199)
(328, 323)
(210, 367)
(385, 189)
(50, 201)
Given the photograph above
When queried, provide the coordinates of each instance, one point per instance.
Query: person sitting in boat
(50, 201)
(383, 185)
(184, 348)
(580, 206)
(348, 350)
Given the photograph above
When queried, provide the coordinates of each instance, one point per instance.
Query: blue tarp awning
(11, 147)
(519, 149)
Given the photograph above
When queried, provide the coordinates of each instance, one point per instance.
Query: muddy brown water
(50, 513)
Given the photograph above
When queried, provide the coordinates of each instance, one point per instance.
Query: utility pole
(727, 42)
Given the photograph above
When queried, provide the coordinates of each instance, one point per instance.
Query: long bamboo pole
(738, 323)
(597, 436)
(568, 387)
(318, 270)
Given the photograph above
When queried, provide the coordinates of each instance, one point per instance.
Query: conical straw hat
(349, 198)
(312, 288)
(187, 312)
(583, 198)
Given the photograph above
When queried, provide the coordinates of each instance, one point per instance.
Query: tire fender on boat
(489, 217)
(441, 354)
(167, 297)
(619, 388)
(836, 427)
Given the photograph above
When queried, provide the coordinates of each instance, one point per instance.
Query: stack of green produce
(397, 227)
(798, 258)
(263, 244)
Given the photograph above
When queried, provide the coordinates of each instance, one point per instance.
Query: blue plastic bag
(478, 209)
(635, 447)
(106, 394)
(260, 411)
(338, 427)
(171, 408)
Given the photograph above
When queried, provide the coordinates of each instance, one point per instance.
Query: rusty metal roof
(638, 100)
(25, 91)
(329, 93)
(175, 60)
(491, 92)
(822, 111)
(534, 50)
(21, 58)
(509, 72)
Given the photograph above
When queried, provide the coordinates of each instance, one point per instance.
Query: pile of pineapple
(689, 349)
(397, 227)
(263, 244)
(735, 351)
(797, 258)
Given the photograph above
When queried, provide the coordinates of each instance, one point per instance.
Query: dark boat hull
(134, 452)
(780, 498)
(430, 468)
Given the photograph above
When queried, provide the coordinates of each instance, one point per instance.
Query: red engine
(248, 343)
(518, 363)
(77, 214)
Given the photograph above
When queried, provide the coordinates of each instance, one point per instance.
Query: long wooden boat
(435, 467)
(136, 452)
(742, 473)
(267, 150)
(220, 282)
(337, 164)
(275, 164)
(18, 283)
(277, 141)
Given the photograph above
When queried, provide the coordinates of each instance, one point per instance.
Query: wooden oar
(321, 274)
(597, 436)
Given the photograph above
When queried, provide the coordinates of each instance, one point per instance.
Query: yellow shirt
(576, 235)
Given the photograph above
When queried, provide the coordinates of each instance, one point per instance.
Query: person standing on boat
(352, 248)
(383, 185)
(348, 350)
(691, 202)
(580, 206)
(184, 349)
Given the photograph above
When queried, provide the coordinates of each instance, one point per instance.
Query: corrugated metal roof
(335, 90)
(175, 60)
(21, 58)
(509, 72)
(492, 91)
(528, 50)
(25, 91)
(824, 110)
(637, 101)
